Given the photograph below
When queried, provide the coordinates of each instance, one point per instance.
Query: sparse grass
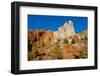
(39, 51)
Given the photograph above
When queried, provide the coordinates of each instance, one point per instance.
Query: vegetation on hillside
(41, 46)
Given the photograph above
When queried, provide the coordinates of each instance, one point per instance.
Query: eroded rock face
(32, 36)
(69, 52)
(48, 37)
(61, 44)
(40, 36)
(75, 37)
(35, 37)
(49, 45)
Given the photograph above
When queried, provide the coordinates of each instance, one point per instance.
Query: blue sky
(49, 22)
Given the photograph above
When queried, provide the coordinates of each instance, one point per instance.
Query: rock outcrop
(61, 44)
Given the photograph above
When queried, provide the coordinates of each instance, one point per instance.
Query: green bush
(55, 52)
(73, 41)
(65, 41)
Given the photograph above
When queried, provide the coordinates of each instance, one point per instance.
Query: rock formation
(61, 44)
(67, 29)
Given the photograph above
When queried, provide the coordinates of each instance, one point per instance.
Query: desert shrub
(56, 44)
(32, 55)
(29, 47)
(58, 40)
(65, 41)
(83, 52)
(86, 38)
(73, 41)
(55, 52)
(82, 37)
